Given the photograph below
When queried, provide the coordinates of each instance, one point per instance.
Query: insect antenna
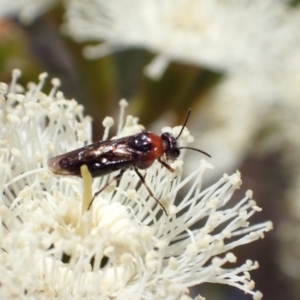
(184, 124)
(195, 149)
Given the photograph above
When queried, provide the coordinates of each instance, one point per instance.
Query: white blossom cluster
(231, 36)
(257, 116)
(124, 247)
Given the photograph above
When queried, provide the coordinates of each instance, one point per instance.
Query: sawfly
(137, 152)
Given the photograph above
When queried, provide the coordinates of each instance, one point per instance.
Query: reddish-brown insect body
(137, 151)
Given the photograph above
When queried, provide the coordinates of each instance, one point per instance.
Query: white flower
(124, 247)
(229, 36)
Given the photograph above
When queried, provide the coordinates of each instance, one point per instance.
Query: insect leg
(115, 178)
(166, 165)
(148, 189)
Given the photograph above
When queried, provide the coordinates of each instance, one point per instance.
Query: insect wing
(101, 158)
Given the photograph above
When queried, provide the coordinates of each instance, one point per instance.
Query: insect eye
(173, 153)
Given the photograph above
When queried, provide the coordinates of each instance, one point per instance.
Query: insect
(138, 152)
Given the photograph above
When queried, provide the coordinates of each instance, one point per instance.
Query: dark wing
(101, 158)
